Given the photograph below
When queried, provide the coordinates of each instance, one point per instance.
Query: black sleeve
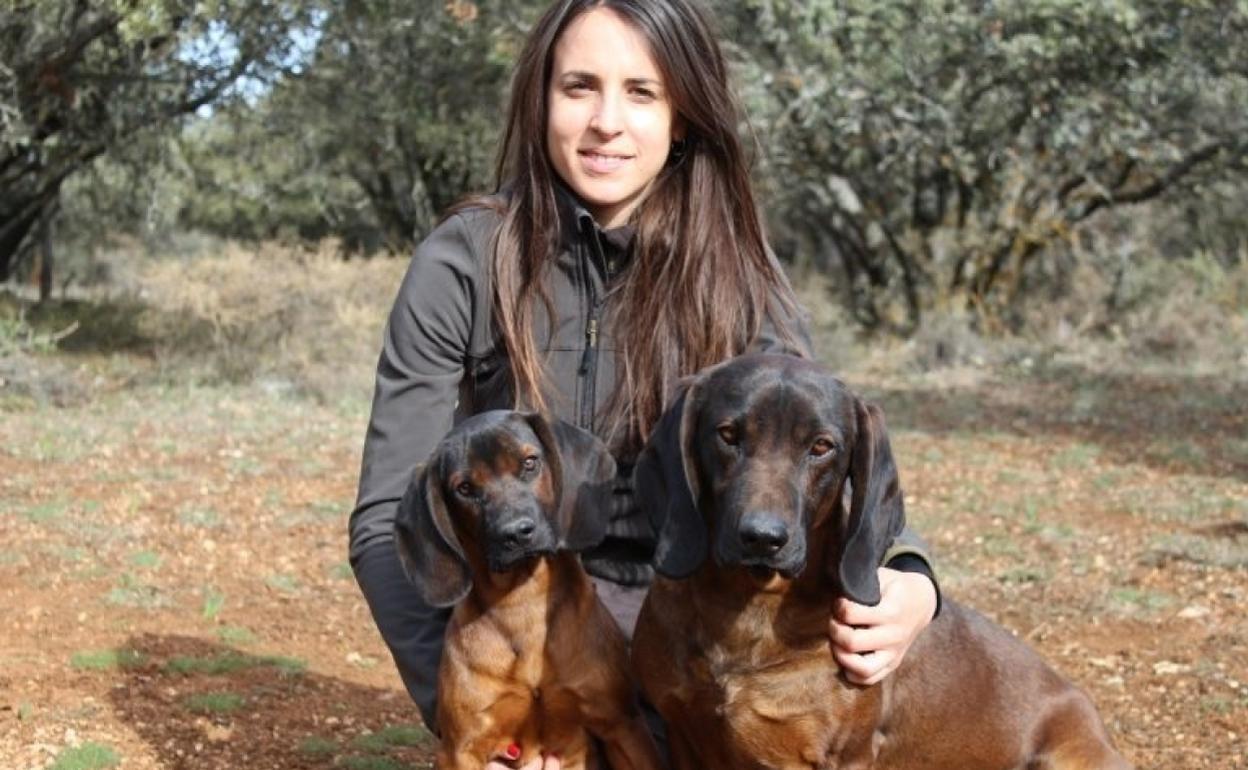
(412, 631)
(424, 349)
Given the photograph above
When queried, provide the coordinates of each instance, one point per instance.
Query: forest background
(1021, 227)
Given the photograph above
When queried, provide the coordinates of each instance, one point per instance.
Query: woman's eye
(576, 88)
(728, 435)
(644, 94)
(531, 462)
(821, 447)
(464, 489)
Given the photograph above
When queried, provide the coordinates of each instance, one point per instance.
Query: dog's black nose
(763, 535)
(518, 532)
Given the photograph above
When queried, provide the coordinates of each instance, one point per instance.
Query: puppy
(533, 662)
(745, 480)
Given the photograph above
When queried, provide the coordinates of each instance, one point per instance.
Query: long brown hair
(700, 274)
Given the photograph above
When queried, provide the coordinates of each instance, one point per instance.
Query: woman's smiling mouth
(602, 163)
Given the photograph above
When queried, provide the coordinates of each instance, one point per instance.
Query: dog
(533, 662)
(745, 479)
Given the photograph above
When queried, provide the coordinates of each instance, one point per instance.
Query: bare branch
(1157, 186)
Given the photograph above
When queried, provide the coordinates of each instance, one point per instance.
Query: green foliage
(231, 661)
(130, 591)
(316, 745)
(943, 148)
(395, 118)
(932, 158)
(213, 602)
(17, 335)
(145, 559)
(77, 81)
(235, 635)
(215, 703)
(107, 660)
(88, 756)
(372, 763)
(393, 736)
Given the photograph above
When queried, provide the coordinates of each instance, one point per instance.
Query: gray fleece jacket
(441, 361)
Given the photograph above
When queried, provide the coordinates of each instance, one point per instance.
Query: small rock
(218, 733)
(1168, 668)
(1193, 612)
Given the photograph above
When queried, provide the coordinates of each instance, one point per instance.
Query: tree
(78, 78)
(938, 147)
(407, 105)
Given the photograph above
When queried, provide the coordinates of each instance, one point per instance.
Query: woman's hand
(538, 763)
(870, 642)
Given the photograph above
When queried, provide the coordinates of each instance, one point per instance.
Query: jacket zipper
(589, 360)
(589, 370)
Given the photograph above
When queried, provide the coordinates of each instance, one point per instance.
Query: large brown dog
(745, 478)
(533, 662)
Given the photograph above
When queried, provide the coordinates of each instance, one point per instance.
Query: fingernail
(513, 751)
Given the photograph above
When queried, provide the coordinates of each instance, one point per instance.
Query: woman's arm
(426, 341)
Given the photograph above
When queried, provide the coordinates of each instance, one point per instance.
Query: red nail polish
(513, 751)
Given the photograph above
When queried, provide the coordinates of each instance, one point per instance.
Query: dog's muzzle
(518, 539)
(765, 542)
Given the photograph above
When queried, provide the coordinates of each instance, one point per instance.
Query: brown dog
(749, 469)
(533, 662)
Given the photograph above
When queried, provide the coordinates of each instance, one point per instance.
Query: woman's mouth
(600, 162)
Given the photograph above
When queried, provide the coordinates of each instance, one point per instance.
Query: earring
(676, 153)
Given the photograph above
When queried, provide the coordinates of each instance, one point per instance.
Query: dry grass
(1185, 316)
(300, 319)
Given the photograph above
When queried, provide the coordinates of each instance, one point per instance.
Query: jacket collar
(577, 225)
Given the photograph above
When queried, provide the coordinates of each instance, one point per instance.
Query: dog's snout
(519, 532)
(763, 534)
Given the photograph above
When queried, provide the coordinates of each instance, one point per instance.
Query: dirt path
(172, 565)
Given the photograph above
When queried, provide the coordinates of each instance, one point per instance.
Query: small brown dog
(533, 662)
(744, 478)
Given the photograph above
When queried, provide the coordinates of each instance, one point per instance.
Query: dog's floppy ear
(668, 486)
(428, 548)
(876, 514)
(583, 474)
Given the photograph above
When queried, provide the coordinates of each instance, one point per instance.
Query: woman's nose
(607, 119)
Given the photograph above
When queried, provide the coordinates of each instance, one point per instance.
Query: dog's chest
(785, 709)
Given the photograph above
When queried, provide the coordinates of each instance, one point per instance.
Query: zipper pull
(591, 338)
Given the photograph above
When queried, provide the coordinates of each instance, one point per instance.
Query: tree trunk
(47, 262)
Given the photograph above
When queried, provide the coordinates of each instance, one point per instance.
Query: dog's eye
(464, 489)
(728, 435)
(821, 447)
(531, 462)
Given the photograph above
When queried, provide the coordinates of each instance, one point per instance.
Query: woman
(623, 251)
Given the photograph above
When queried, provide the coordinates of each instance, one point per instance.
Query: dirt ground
(173, 573)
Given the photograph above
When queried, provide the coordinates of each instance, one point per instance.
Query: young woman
(622, 251)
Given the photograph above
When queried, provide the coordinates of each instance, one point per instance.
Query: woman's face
(609, 121)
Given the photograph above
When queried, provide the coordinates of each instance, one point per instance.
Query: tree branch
(1156, 187)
